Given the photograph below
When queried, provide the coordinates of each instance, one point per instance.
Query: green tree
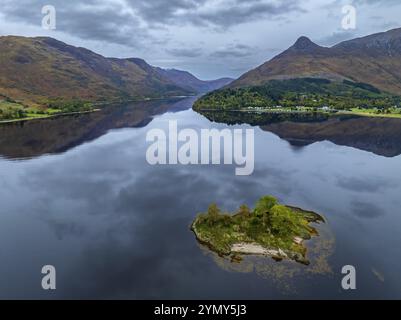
(283, 222)
(244, 211)
(213, 210)
(213, 213)
(264, 205)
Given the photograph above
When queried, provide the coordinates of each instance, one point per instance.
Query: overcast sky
(210, 38)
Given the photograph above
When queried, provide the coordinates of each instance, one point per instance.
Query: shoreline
(361, 114)
(245, 248)
(370, 115)
(51, 116)
(252, 249)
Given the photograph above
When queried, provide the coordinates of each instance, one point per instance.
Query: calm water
(77, 193)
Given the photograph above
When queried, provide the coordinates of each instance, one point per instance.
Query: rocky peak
(303, 43)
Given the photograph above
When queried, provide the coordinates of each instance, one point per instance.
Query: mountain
(374, 60)
(189, 82)
(36, 70)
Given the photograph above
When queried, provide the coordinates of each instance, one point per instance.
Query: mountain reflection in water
(378, 135)
(29, 139)
(116, 227)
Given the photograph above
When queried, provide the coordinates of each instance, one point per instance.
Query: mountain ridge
(36, 70)
(373, 59)
(188, 81)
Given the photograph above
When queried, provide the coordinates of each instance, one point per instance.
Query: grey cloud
(187, 53)
(383, 23)
(366, 210)
(337, 37)
(95, 20)
(376, 2)
(246, 11)
(206, 13)
(364, 2)
(162, 11)
(234, 51)
(372, 184)
(130, 22)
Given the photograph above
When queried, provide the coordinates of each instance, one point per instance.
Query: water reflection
(34, 138)
(377, 135)
(285, 274)
(116, 227)
(28, 139)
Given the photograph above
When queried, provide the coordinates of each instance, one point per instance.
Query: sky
(210, 38)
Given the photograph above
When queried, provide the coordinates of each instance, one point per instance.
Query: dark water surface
(77, 193)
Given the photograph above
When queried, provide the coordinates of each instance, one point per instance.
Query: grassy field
(11, 110)
(7, 104)
(14, 112)
(373, 113)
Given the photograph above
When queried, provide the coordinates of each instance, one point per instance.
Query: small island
(271, 229)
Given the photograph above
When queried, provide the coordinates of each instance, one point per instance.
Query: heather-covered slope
(36, 70)
(189, 82)
(375, 60)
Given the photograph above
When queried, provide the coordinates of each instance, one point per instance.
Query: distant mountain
(35, 70)
(374, 60)
(189, 82)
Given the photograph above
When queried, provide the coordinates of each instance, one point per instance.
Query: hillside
(299, 93)
(34, 71)
(189, 82)
(375, 60)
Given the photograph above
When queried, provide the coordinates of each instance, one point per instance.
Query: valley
(41, 77)
(200, 150)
